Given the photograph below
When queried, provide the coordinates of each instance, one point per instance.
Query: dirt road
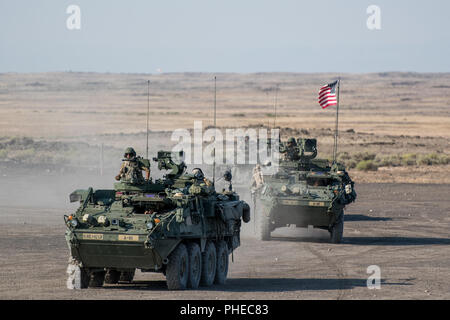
(402, 228)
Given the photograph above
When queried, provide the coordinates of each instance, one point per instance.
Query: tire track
(334, 266)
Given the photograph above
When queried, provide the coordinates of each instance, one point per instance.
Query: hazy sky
(224, 36)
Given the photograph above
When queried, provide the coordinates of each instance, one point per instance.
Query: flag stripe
(327, 95)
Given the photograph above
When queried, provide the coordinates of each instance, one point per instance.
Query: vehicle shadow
(370, 241)
(361, 217)
(264, 285)
(395, 241)
(292, 284)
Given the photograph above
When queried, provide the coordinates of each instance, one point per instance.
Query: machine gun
(303, 150)
(307, 149)
(165, 161)
(300, 154)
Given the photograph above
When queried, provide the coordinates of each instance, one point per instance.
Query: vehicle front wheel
(222, 263)
(209, 259)
(127, 276)
(112, 276)
(97, 279)
(263, 223)
(177, 271)
(337, 230)
(195, 265)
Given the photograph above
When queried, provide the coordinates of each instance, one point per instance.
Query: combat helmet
(130, 151)
(198, 173)
(291, 141)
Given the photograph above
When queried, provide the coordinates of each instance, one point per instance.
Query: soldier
(257, 183)
(132, 166)
(198, 174)
(290, 151)
(201, 185)
(257, 178)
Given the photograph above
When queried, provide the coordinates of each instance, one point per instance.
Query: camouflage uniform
(290, 151)
(257, 178)
(201, 184)
(132, 166)
(257, 183)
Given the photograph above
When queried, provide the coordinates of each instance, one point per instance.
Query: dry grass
(66, 104)
(403, 117)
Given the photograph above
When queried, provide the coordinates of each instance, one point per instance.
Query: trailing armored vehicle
(305, 191)
(178, 225)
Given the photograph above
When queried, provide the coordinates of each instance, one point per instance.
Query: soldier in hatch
(132, 166)
(290, 151)
(198, 174)
(202, 184)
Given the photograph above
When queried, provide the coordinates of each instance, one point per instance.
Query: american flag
(327, 95)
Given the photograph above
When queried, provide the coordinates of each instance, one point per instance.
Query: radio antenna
(148, 109)
(214, 150)
(275, 107)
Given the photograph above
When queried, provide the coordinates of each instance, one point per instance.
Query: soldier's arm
(147, 173)
(144, 164)
(120, 171)
(207, 182)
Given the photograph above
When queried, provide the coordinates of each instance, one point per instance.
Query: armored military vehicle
(178, 225)
(305, 191)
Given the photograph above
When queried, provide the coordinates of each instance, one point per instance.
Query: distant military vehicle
(178, 225)
(305, 191)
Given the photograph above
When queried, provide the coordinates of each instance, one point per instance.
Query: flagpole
(337, 121)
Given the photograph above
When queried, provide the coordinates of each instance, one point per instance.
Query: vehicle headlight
(103, 220)
(348, 189)
(296, 190)
(150, 225)
(87, 218)
(74, 222)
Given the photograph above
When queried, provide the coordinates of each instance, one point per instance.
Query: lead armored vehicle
(178, 225)
(305, 191)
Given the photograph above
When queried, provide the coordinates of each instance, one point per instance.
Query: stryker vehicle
(178, 225)
(305, 191)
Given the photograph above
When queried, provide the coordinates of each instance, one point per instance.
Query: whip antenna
(214, 150)
(275, 107)
(148, 109)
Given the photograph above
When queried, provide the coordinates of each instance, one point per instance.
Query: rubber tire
(262, 224)
(112, 277)
(177, 271)
(222, 262)
(246, 213)
(85, 278)
(97, 279)
(209, 260)
(337, 231)
(195, 265)
(127, 276)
